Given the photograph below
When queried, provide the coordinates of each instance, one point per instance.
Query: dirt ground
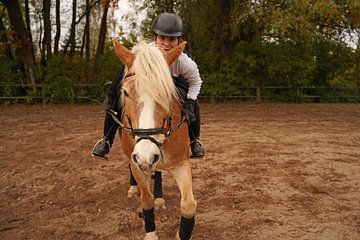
(271, 171)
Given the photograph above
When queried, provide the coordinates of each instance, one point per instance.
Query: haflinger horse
(153, 136)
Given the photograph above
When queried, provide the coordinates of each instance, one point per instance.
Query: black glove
(110, 102)
(188, 110)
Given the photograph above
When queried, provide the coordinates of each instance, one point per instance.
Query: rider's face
(166, 43)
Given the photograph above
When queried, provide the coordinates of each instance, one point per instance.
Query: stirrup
(98, 156)
(196, 140)
(199, 154)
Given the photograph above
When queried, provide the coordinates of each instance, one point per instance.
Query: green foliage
(336, 65)
(10, 74)
(58, 89)
(217, 84)
(67, 78)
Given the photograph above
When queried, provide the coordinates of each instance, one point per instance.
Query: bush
(58, 89)
(10, 74)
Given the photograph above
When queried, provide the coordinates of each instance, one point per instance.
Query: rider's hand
(188, 110)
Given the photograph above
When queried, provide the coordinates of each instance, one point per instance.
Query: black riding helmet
(168, 25)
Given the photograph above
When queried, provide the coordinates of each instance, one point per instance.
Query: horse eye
(125, 93)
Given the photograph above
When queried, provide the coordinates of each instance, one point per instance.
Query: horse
(154, 136)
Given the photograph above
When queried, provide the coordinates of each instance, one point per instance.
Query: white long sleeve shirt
(186, 67)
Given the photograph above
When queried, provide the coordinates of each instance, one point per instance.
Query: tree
(102, 35)
(24, 47)
(357, 62)
(58, 27)
(47, 31)
(27, 20)
(73, 29)
(72, 37)
(86, 38)
(4, 40)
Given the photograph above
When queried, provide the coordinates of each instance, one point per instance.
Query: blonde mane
(153, 77)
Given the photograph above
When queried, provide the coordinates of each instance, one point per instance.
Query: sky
(121, 11)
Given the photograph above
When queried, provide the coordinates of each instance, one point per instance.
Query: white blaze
(145, 149)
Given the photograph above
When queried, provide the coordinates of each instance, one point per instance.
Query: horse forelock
(153, 78)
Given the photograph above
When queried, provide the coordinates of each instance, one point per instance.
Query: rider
(167, 29)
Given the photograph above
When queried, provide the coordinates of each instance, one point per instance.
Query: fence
(289, 94)
(39, 96)
(90, 93)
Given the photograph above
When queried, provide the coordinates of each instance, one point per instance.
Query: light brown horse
(153, 136)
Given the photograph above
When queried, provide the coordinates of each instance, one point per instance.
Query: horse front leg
(158, 192)
(133, 190)
(188, 203)
(146, 202)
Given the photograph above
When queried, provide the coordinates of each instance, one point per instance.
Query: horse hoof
(151, 236)
(132, 192)
(159, 202)
(177, 236)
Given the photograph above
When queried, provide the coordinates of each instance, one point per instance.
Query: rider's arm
(186, 67)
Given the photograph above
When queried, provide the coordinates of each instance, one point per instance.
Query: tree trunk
(47, 29)
(28, 24)
(25, 47)
(82, 44)
(87, 33)
(68, 42)
(358, 67)
(4, 40)
(102, 35)
(358, 74)
(40, 37)
(58, 29)
(73, 29)
(225, 38)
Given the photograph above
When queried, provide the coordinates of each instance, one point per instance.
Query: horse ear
(123, 53)
(173, 54)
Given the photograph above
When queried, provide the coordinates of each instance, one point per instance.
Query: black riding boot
(102, 147)
(197, 150)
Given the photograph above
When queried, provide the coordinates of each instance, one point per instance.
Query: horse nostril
(156, 158)
(134, 157)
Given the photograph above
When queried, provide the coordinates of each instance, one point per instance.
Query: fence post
(258, 93)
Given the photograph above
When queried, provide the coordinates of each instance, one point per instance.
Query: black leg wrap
(149, 219)
(132, 179)
(186, 227)
(158, 193)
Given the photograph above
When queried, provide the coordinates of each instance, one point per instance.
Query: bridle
(143, 133)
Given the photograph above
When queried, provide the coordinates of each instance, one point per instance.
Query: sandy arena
(271, 171)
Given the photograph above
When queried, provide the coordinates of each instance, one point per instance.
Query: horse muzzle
(146, 156)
